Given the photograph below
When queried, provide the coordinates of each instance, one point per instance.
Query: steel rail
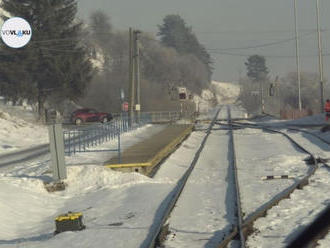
(151, 240)
(310, 133)
(237, 189)
(315, 231)
(261, 211)
(23, 155)
(274, 129)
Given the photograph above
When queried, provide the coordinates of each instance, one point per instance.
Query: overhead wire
(266, 55)
(47, 45)
(260, 45)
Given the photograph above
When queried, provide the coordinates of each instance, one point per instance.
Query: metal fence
(161, 117)
(83, 138)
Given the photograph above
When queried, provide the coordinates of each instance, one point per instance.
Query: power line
(261, 45)
(267, 55)
(249, 31)
(59, 50)
(220, 51)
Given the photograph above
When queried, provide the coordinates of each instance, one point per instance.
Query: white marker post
(56, 143)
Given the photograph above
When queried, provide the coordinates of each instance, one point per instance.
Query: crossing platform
(144, 156)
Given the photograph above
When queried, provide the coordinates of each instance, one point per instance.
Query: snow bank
(24, 204)
(15, 133)
(83, 179)
(29, 204)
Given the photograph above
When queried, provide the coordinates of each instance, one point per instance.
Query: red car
(89, 115)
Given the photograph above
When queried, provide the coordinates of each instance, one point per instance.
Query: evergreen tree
(256, 68)
(101, 29)
(175, 33)
(101, 26)
(55, 61)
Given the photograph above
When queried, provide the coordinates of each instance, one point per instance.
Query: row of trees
(66, 59)
(164, 66)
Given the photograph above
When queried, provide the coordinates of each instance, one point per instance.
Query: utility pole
(131, 88)
(137, 71)
(320, 54)
(297, 53)
(262, 97)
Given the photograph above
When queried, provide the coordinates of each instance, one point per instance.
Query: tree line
(280, 94)
(67, 59)
(163, 65)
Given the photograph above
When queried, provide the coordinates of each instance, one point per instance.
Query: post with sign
(138, 109)
(125, 106)
(182, 91)
(56, 142)
(122, 98)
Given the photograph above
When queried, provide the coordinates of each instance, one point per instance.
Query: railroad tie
(277, 177)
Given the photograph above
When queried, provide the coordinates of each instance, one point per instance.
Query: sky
(221, 25)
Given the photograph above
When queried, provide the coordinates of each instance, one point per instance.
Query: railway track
(234, 220)
(23, 155)
(36, 152)
(158, 233)
(305, 238)
(242, 225)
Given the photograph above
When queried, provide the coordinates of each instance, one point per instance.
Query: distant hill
(225, 92)
(218, 93)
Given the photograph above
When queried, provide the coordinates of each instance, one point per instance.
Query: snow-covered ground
(119, 205)
(115, 205)
(291, 215)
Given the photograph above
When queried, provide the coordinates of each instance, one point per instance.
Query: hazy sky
(227, 24)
